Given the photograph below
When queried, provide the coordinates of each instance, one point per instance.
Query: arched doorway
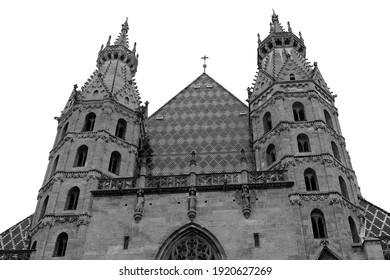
(191, 242)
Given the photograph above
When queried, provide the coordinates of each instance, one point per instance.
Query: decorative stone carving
(139, 206)
(245, 198)
(191, 200)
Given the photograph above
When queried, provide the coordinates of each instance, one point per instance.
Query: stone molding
(332, 198)
(81, 105)
(96, 135)
(324, 158)
(50, 220)
(287, 126)
(309, 94)
(61, 175)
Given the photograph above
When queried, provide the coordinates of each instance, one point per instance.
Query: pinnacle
(122, 38)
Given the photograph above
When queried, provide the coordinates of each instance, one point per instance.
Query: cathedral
(206, 176)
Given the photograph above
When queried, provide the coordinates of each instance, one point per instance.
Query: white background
(47, 46)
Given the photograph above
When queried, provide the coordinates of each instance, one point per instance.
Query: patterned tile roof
(377, 219)
(14, 238)
(205, 118)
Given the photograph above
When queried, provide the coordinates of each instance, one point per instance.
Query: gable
(205, 118)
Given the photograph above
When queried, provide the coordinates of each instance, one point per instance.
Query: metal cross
(204, 64)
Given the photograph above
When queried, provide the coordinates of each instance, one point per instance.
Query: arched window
(354, 232)
(343, 187)
(318, 224)
(267, 122)
(34, 245)
(81, 156)
(72, 198)
(335, 150)
(60, 247)
(127, 100)
(328, 119)
(64, 131)
(43, 209)
(115, 163)
(303, 143)
(54, 167)
(120, 130)
(310, 180)
(298, 111)
(292, 77)
(271, 154)
(89, 122)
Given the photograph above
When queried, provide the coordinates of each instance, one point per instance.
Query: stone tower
(205, 176)
(296, 128)
(98, 136)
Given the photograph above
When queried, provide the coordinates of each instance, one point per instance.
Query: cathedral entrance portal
(191, 242)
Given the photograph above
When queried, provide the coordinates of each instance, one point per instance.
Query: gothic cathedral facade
(206, 176)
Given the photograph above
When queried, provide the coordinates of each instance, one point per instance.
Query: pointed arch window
(127, 100)
(271, 154)
(34, 245)
(115, 163)
(72, 198)
(81, 156)
(54, 167)
(89, 122)
(303, 143)
(335, 150)
(299, 111)
(354, 232)
(43, 209)
(121, 127)
(60, 247)
(343, 187)
(310, 180)
(328, 119)
(267, 122)
(64, 130)
(318, 224)
(292, 77)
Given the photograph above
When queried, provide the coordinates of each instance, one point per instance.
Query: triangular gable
(206, 118)
(327, 254)
(292, 65)
(317, 76)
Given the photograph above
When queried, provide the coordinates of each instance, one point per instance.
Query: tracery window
(354, 232)
(343, 187)
(310, 180)
(318, 224)
(303, 143)
(60, 247)
(271, 154)
(192, 247)
(267, 122)
(299, 111)
(89, 122)
(335, 151)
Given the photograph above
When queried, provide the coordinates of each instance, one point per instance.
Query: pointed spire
(300, 36)
(258, 39)
(122, 38)
(277, 27)
(289, 27)
(108, 41)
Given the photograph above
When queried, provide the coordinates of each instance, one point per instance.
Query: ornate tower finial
(204, 64)
(300, 36)
(122, 38)
(108, 41)
(275, 17)
(289, 27)
(258, 39)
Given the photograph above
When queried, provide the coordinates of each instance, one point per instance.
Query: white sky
(46, 47)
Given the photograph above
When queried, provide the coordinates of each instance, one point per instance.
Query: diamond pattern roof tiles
(208, 122)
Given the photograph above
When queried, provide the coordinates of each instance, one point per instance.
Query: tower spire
(122, 38)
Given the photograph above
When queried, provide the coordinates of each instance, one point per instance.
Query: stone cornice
(51, 220)
(332, 198)
(100, 104)
(324, 158)
(279, 94)
(99, 134)
(61, 175)
(287, 126)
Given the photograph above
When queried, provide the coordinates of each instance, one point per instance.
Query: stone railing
(217, 179)
(117, 183)
(15, 254)
(267, 176)
(167, 181)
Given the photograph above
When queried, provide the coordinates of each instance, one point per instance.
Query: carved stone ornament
(139, 206)
(245, 198)
(191, 200)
